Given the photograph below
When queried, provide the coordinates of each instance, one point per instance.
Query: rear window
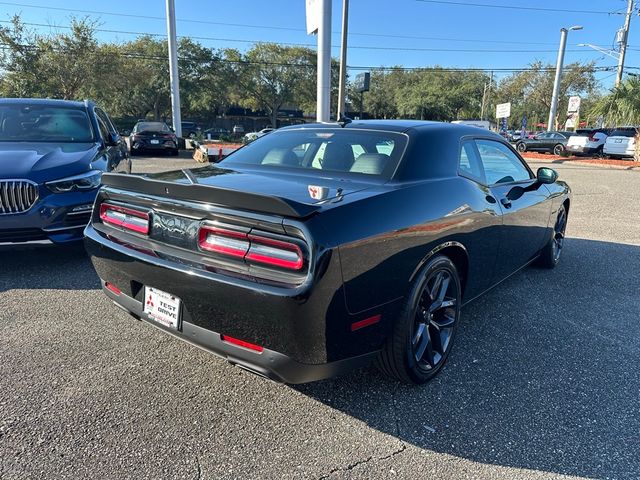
(40, 123)
(325, 151)
(624, 132)
(151, 127)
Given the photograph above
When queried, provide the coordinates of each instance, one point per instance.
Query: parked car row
(617, 142)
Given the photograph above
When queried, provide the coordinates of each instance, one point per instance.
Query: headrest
(371, 163)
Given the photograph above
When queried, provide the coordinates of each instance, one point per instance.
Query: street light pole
(623, 43)
(556, 84)
(173, 68)
(324, 62)
(343, 60)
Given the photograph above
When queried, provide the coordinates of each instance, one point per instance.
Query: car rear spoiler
(206, 193)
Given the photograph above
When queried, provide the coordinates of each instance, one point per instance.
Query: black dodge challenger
(322, 247)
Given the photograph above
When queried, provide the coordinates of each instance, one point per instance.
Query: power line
(358, 47)
(517, 7)
(163, 58)
(269, 27)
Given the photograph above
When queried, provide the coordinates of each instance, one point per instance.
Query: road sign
(574, 105)
(503, 110)
(313, 16)
(362, 81)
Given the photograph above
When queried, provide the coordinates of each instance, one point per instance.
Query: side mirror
(546, 175)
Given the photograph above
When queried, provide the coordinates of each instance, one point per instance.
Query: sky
(411, 33)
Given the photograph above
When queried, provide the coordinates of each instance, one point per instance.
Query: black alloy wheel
(521, 147)
(423, 337)
(550, 254)
(558, 149)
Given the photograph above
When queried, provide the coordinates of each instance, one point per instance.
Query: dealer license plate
(162, 307)
(155, 142)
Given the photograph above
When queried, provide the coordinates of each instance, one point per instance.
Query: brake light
(252, 248)
(275, 252)
(126, 218)
(241, 343)
(592, 137)
(221, 240)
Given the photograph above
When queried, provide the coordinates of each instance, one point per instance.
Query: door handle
(506, 203)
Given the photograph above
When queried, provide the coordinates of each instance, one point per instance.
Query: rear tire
(521, 147)
(550, 254)
(423, 335)
(558, 149)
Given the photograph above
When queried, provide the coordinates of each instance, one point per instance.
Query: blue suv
(52, 156)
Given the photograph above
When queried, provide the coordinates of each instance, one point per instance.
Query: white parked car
(621, 143)
(251, 136)
(588, 141)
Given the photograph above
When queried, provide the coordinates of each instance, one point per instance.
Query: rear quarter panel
(384, 239)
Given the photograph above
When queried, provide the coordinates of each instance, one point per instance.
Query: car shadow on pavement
(48, 267)
(544, 374)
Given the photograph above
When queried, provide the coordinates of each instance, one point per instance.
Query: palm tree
(622, 107)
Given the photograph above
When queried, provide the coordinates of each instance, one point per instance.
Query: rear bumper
(305, 331)
(268, 363)
(583, 150)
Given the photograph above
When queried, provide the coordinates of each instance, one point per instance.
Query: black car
(52, 157)
(153, 137)
(323, 247)
(552, 142)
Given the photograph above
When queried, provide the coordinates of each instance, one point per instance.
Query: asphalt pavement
(542, 383)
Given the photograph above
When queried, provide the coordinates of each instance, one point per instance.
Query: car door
(525, 205)
(540, 142)
(115, 152)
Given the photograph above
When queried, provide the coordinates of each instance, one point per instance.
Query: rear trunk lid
(280, 193)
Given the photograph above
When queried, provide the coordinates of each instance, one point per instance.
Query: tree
(270, 76)
(530, 91)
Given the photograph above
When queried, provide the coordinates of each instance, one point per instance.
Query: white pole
(343, 60)
(173, 68)
(556, 84)
(324, 62)
(623, 45)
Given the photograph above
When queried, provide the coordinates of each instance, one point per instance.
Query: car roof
(45, 102)
(398, 126)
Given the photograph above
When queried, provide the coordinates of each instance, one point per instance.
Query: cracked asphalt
(542, 383)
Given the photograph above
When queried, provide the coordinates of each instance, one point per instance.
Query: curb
(635, 166)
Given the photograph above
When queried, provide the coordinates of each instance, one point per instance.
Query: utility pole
(343, 60)
(486, 94)
(623, 42)
(173, 68)
(324, 62)
(556, 84)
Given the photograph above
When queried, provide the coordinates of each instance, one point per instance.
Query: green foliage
(621, 106)
(131, 79)
(530, 91)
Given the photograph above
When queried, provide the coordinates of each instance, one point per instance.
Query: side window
(103, 123)
(469, 165)
(357, 150)
(500, 164)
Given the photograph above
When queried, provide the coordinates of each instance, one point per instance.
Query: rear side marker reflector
(365, 323)
(241, 343)
(252, 248)
(126, 218)
(111, 287)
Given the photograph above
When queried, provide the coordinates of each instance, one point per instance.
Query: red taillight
(275, 252)
(252, 248)
(221, 240)
(126, 218)
(112, 288)
(241, 343)
(592, 138)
